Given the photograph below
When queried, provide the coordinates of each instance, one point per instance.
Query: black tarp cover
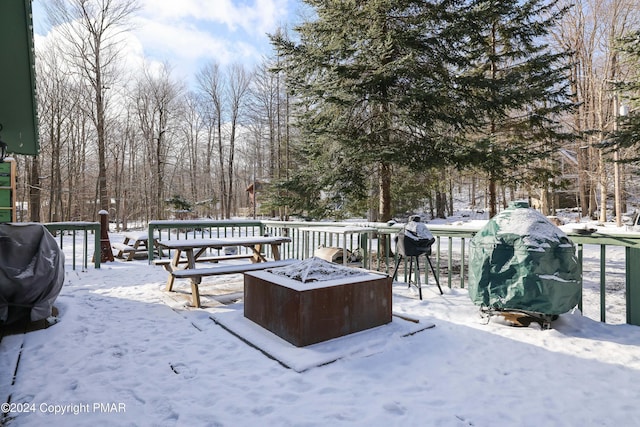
(31, 272)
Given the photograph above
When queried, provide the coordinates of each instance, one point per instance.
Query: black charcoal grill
(410, 243)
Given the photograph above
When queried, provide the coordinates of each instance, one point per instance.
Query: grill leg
(435, 276)
(410, 272)
(418, 285)
(415, 283)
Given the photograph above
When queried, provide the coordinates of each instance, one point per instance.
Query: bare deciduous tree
(156, 99)
(92, 30)
(211, 85)
(191, 129)
(591, 30)
(238, 92)
(234, 129)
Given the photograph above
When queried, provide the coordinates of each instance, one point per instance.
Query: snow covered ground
(126, 353)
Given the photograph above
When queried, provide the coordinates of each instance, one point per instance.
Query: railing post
(450, 261)
(150, 241)
(580, 258)
(462, 241)
(438, 257)
(364, 244)
(603, 288)
(85, 249)
(632, 262)
(73, 249)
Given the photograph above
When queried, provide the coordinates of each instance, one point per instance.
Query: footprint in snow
(183, 370)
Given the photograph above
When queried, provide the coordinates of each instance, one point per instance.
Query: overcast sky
(188, 33)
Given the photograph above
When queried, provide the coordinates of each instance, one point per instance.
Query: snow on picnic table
(146, 360)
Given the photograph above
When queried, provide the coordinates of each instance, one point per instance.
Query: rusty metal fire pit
(315, 300)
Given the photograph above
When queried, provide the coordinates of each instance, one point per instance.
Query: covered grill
(521, 262)
(31, 272)
(414, 240)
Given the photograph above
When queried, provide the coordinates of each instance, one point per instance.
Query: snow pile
(417, 231)
(535, 230)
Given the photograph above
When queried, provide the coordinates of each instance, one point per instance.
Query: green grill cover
(520, 261)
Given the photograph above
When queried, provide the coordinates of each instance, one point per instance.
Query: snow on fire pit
(316, 270)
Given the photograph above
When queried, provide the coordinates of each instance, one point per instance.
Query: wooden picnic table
(135, 243)
(188, 253)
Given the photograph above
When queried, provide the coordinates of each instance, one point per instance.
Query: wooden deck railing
(450, 252)
(82, 233)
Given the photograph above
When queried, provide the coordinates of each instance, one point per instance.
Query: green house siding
(17, 78)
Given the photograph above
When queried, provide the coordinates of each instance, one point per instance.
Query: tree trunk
(493, 204)
(385, 192)
(441, 198)
(603, 187)
(100, 129)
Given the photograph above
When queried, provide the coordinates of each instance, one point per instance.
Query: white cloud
(254, 17)
(185, 48)
(185, 41)
(187, 33)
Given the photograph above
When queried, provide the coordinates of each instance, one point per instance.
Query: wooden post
(105, 245)
(633, 285)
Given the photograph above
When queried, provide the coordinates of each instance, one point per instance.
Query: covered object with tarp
(520, 261)
(31, 272)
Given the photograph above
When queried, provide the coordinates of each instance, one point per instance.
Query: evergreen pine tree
(373, 85)
(519, 87)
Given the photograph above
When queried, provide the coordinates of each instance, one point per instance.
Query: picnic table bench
(189, 273)
(195, 275)
(135, 243)
(166, 262)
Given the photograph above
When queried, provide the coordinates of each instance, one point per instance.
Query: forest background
(378, 109)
